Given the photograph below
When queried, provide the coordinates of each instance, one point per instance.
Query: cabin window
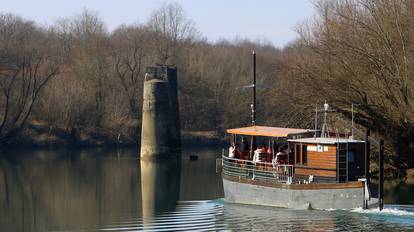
(297, 153)
(351, 156)
(304, 154)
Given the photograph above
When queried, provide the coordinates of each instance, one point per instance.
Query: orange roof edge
(266, 131)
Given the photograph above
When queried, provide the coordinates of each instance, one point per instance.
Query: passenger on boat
(232, 151)
(244, 148)
(269, 152)
(259, 154)
(281, 156)
(244, 145)
(275, 150)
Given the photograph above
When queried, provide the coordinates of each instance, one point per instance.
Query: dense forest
(76, 81)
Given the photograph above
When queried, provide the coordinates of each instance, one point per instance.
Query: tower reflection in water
(160, 186)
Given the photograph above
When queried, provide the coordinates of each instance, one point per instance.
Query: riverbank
(36, 134)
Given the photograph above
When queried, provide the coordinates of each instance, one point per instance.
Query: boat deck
(265, 171)
(269, 184)
(310, 186)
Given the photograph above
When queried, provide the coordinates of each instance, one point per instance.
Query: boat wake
(402, 215)
(391, 210)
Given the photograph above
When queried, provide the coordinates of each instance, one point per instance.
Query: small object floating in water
(193, 157)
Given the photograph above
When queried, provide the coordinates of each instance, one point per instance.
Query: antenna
(325, 131)
(316, 120)
(253, 106)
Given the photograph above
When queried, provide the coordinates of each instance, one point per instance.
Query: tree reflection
(56, 190)
(53, 191)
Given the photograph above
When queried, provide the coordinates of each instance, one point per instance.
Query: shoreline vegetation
(76, 82)
(40, 135)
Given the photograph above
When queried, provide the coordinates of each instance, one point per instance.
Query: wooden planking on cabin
(325, 154)
(326, 159)
(322, 155)
(321, 165)
(322, 158)
(322, 161)
(331, 151)
(315, 172)
(312, 154)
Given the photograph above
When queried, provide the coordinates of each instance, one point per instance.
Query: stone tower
(160, 137)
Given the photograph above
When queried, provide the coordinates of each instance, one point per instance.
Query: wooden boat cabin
(328, 159)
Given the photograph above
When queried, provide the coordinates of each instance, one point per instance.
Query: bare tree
(26, 66)
(172, 31)
(85, 39)
(130, 51)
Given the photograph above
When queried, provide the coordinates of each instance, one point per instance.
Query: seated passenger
(285, 149)
(269, 150)
(237, 153)
(232, 150)
(258, 154)
(281, 156)
(244, 145)
(244, 148)
(269, 155)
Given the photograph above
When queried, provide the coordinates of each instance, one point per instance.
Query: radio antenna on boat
(325, 128)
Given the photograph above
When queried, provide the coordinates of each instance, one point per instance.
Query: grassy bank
(37, 134)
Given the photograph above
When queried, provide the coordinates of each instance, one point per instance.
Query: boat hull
(295, 196)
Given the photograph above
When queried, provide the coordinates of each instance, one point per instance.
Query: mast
(253, 107)
(254, 91)
(316, 120)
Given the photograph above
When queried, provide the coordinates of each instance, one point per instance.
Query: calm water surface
(112, 190)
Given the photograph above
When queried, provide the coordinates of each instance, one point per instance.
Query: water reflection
(160, 184)
(199, 180)
(400, 193)
(45, 190)
(107, 190)
(52, 190)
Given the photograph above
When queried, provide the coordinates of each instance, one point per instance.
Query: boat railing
(265, 171)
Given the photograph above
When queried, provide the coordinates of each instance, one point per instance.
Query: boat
(318, 173)
(312, 169)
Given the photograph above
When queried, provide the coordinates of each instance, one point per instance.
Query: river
(112, 190)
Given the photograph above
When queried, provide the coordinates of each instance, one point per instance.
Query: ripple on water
(215, 215)
(188, 215)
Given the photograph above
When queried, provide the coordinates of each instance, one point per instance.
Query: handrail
(252, 162)
(282, 173)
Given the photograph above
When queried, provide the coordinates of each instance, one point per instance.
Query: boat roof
(319, 140)
(266, 131)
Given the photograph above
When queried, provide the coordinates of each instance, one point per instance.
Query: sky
(266, 20)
